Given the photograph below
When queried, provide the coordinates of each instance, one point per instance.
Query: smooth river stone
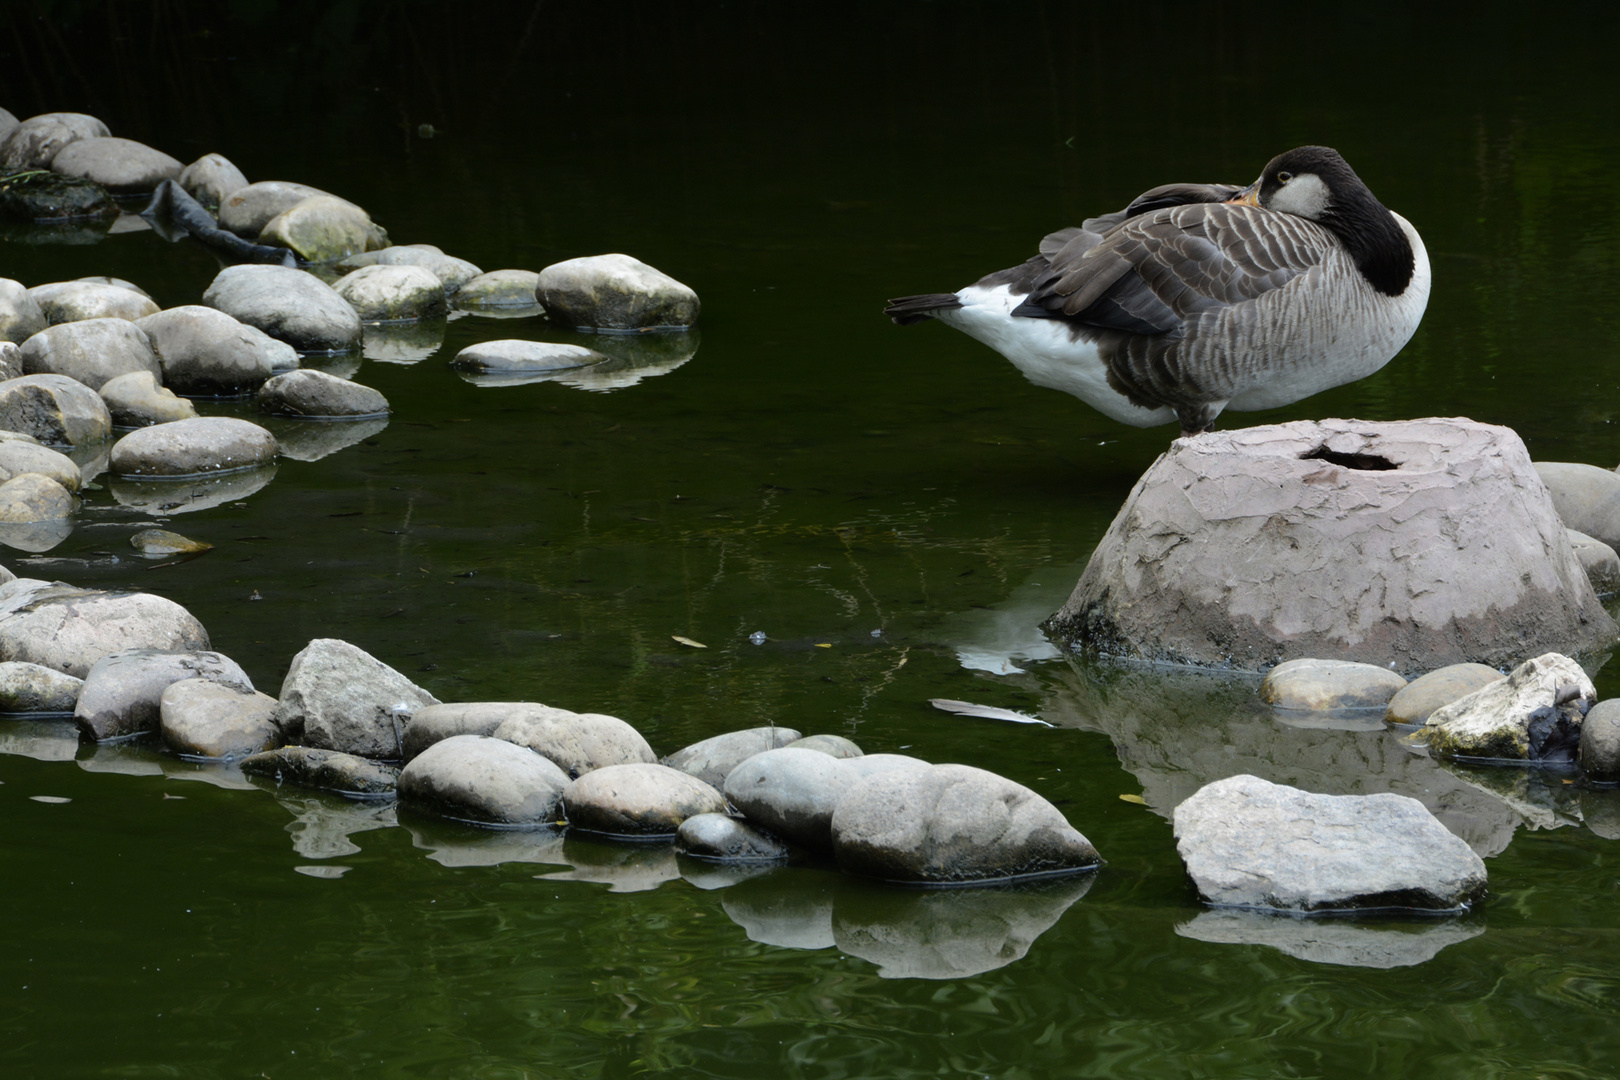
(641, 799)
(485, 781)
(205, 444)
(1329, 684)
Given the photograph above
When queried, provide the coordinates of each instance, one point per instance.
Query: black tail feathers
(914, 309)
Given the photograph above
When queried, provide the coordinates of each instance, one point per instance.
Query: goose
(1201, 297)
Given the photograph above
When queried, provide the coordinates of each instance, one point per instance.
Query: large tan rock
(1415, 543)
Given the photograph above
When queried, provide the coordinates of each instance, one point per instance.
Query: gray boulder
(794, 793)
(1376, 542)
(328, 769)
(498, 289)
(123, 691)
(73, 301)
(485, 781)
(1586, 497)
(91, 351)
(248, 209)
(211, 179)
(202, 718)
(206, 444)
(34, 688)
(69, 629)
(54, 409)
(307, 392)
(33, 497)
(438, 722)
(122, 166)
(1600, 561)
(393, 293)
(952, 824)
(1419, 698)
(1247, 842)
(513, 357)
(207, 353)
(614, 292)
(719, 838)
(641, 799)
(339, 697)
(288, 304)
(136, 400)
(452, 272)
(578, 742)
(20, 314)
(1532, 715)
(23, 454)
(836, 745)
(34, 143)
(1599, 754)
(10, 361)
(1329, 684)
(322, 229)
(713, 759)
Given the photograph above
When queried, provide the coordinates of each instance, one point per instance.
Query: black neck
(1374, 239)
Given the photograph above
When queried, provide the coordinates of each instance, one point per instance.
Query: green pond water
(896, 509)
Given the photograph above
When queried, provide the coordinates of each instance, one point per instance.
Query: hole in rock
(1364, 462)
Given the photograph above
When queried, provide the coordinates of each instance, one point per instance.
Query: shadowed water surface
(895, 509)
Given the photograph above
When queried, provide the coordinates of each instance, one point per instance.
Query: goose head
(1316, 183)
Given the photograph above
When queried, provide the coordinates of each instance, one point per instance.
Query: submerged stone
(1329, 684)
(1419, 698)
(328, 769)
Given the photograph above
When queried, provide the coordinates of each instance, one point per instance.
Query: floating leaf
(1137, 799)
(688, 642)
(987, 712)
(823, 644)
(156, 543)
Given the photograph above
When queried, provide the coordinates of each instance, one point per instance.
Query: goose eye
(1284, 177)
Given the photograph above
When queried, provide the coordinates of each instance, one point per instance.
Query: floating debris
(158, 543)
(987, 712)
(688, 642)
(757, 637)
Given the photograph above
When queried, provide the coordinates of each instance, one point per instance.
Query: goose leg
(1197, 419)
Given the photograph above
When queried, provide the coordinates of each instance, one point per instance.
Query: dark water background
(817, 474)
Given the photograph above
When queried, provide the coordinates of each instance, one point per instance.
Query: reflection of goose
(1197, 297)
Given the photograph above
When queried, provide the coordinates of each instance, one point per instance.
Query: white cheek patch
(1304, 196)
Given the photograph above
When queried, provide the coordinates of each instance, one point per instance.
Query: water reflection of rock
(1384, 944)
(402, 343)
(338, 365)
(997, 639)
(451, 844)
(311, 440)
(622, 867)
(41, 739)
(1177, 731)
(35, 536)
(907, 933)
(142, 757)
(322, 823)
(192, 493)
(631, 358)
